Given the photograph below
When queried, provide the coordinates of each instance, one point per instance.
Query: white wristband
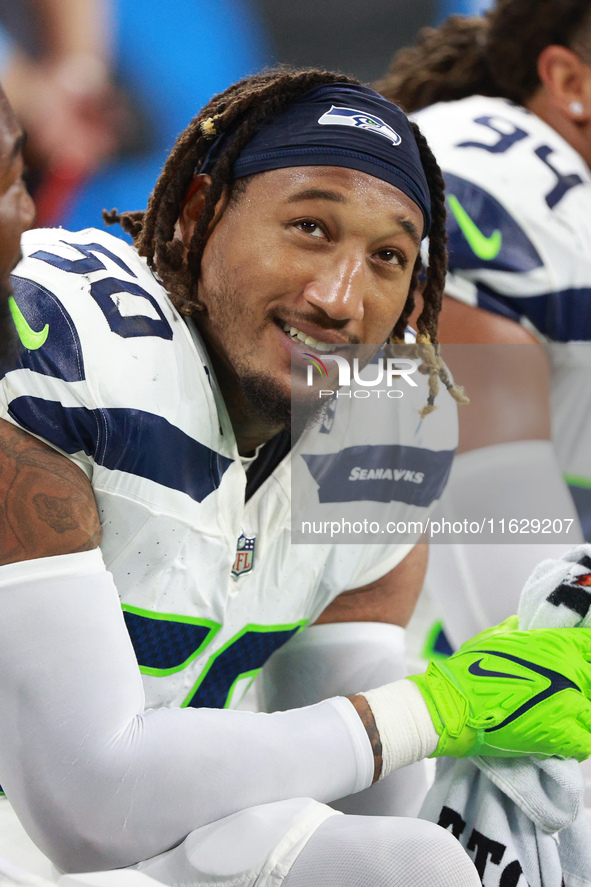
(404, 724)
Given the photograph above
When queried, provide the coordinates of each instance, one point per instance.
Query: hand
(510, 693)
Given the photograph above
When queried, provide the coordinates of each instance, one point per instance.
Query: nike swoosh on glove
(509, 693)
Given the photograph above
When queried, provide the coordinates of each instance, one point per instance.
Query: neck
(578, 135)
(250, 430)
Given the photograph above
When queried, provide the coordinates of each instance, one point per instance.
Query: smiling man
(16, 215)
(301, 284)
(288, 219)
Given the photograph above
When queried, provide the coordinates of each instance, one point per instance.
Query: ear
(193, 206)
(567, 80)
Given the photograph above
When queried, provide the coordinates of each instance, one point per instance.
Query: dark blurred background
(357, 36)
(103, 87)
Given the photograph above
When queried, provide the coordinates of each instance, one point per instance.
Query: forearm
(336, 659)
(361, 706)
(346, 658)
(118, 784)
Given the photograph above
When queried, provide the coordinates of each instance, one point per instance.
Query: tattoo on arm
(56, 512)
(364, 711)
(47, 504)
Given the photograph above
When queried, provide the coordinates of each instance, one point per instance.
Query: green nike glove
(510, 693)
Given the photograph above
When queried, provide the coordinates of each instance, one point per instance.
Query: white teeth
(307, 340)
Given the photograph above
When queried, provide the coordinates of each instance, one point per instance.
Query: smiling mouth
(310, 341)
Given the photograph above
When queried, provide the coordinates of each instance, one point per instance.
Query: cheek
(9, 243)
(15, 217)
(256, 267)
(388, 307)
(8, 220)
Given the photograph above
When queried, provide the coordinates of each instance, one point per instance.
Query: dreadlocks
(432, 292)
(242, 109)
(495, 55)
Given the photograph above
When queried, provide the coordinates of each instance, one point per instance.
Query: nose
(338, 288)
(27, 211)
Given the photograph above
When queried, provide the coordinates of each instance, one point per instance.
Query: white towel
(522, 820)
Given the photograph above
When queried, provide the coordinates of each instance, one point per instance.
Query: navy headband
(337, 125)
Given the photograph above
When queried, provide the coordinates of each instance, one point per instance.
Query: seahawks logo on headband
(350, 117)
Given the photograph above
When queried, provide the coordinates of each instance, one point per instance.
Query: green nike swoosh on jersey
(486, 248)
(31, 339)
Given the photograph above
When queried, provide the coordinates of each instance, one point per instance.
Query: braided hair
(493, 55)
(241, 110)
(432, 292)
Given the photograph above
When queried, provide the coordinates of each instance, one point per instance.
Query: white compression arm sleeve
(100, 783)
(342, 658)
(336, 659)
(348, 657)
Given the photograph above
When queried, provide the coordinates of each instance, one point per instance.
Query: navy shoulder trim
(563, 316)
(482, 234)
(60, 354)
(128, 440)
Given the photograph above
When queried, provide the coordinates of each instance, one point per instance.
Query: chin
(271, 402)
(267, 398)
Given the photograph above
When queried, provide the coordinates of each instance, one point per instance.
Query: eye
(311, 227)
(391, 257)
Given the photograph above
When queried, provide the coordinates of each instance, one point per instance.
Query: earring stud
(576, 108)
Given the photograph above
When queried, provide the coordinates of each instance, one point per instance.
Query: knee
(434, 858)
(385, 851)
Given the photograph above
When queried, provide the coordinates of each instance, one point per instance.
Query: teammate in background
(277, 217)
(57, 75)
(507, 110)
(16, 215)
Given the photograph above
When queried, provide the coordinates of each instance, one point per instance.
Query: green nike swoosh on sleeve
(31, 339)
(486, 248)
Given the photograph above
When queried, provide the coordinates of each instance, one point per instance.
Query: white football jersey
(519, 227)
(210, 585)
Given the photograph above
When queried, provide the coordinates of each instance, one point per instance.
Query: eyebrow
(336, 197)
(412, 231)
(317, 194)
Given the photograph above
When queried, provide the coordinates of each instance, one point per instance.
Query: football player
(16, 215)
(148, 573)
(506, 107)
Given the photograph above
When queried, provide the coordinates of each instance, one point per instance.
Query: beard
(270, 403)
(262, 396)
(9, 341)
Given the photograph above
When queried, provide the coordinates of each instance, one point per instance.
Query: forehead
(9, 130)
(357, 188)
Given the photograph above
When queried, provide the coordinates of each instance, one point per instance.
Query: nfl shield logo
(244, 555)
